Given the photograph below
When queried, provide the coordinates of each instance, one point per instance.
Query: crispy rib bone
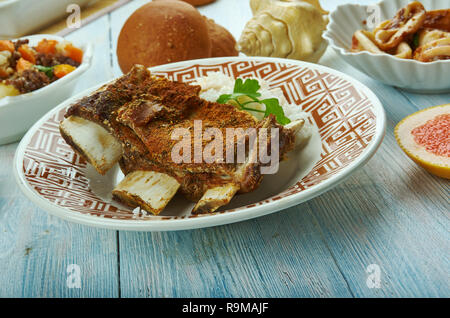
(142, 111)
(295, 125)
(214, 198)
(148, 189)
(92, 142)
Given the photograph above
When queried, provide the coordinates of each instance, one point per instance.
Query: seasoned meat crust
(29, 80)
(54, 59)
(142, 111)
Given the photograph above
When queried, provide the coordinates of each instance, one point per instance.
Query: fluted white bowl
(409, 74)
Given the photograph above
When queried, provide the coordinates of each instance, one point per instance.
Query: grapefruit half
(425, 137)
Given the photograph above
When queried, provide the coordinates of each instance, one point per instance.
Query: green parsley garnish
(45, 69)
(250, 89)
(416, 40)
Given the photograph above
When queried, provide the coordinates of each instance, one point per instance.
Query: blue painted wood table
(390, 218)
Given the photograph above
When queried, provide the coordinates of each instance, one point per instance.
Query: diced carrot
(47, 46)
(62, 70)
(74, 53)
(6, 45)
(27, 53)
(3, 73)
(23, 65)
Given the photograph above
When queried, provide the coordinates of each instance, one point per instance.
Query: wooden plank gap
(322, 237)
(118, 264)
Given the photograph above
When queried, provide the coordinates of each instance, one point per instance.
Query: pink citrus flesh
(425, 137)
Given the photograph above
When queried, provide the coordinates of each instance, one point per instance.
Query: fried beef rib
(132, 121)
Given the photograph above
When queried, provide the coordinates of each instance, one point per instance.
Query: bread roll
(199, 2)
(222, 41)
(162, 32)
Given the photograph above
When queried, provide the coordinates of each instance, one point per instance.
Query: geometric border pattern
(343, 114)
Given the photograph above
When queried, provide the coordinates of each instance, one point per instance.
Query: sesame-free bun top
(162, 32)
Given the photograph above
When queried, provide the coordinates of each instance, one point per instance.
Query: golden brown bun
(199, 2)
(163, 32)
(222, 41)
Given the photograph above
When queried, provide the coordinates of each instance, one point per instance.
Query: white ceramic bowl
(18, 113)
(433, 77)
(20, 17)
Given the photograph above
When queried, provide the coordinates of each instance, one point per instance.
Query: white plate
(349, 118)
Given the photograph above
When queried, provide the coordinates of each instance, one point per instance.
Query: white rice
(216, 83)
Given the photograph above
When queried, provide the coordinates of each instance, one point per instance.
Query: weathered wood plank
(391, 213)
(280, 255)
(36, 248)
(389, 225)
(422, 101)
